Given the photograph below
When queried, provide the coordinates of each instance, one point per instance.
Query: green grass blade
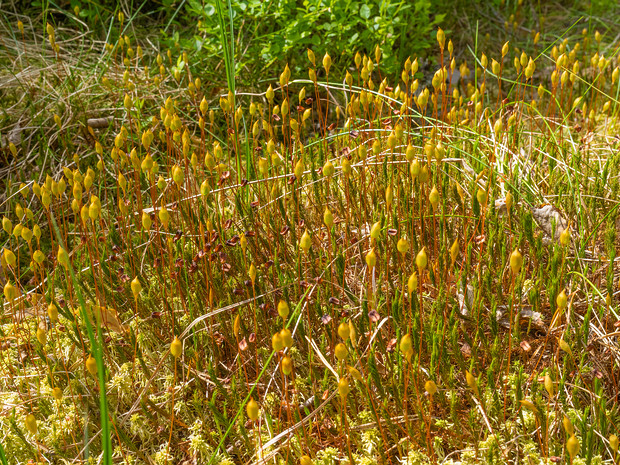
(3, 459)
(228, 47)
(97, 352)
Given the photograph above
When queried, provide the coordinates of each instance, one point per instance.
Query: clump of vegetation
(347, 266)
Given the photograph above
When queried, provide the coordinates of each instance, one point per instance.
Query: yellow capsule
(414, 169)
(176, 348)
(252, 410)
(440, 151)
(433, 197)
(613, 442)
(299, 169)
(528, 404)
(562, 300)
(91, 365)
(263, 166)
(549, 385)
(283, 309)
(284, 108)
(63, 257)
(164, 216)
(410, 153)
(402, 245)
(327, 62)
(31, 423)
(27, 233)
(276, 342)
(406, 344)
(237, 326)
(565, 347)
(362, 150)
(472, 382)
(252, 273)
(371, 259)
(9, 256)
(177, 174)
(429, 149)
(354, 372)
(572, 446)
(136, 287)
(41, 336)
(516, 261)
(146, 221)
(52, 312)
(93, 211)
(84, 213)
(341, 351)
(346, 167)
(7, 225)
(568, 426)
(482, 197)
(343, 330)
(441, 38)
(127, 102)
(389, 197)
(287, 365)
(46, 199)
(412, 282)
(392, 141)
(122, 181)
(421, 260)
(147, 163)
(270, 94)
(454, 250)
(343, 387)
(565, 237)
(430, 387)
(495, 67)
(305, 241)
(352, 334)
(328, 218)
(287, 337)
(328, 169)
(375, 230)
(57, 393)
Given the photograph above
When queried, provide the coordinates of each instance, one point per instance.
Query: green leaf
(365, 11)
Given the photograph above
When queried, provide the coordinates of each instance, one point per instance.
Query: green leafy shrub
(282, 30)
